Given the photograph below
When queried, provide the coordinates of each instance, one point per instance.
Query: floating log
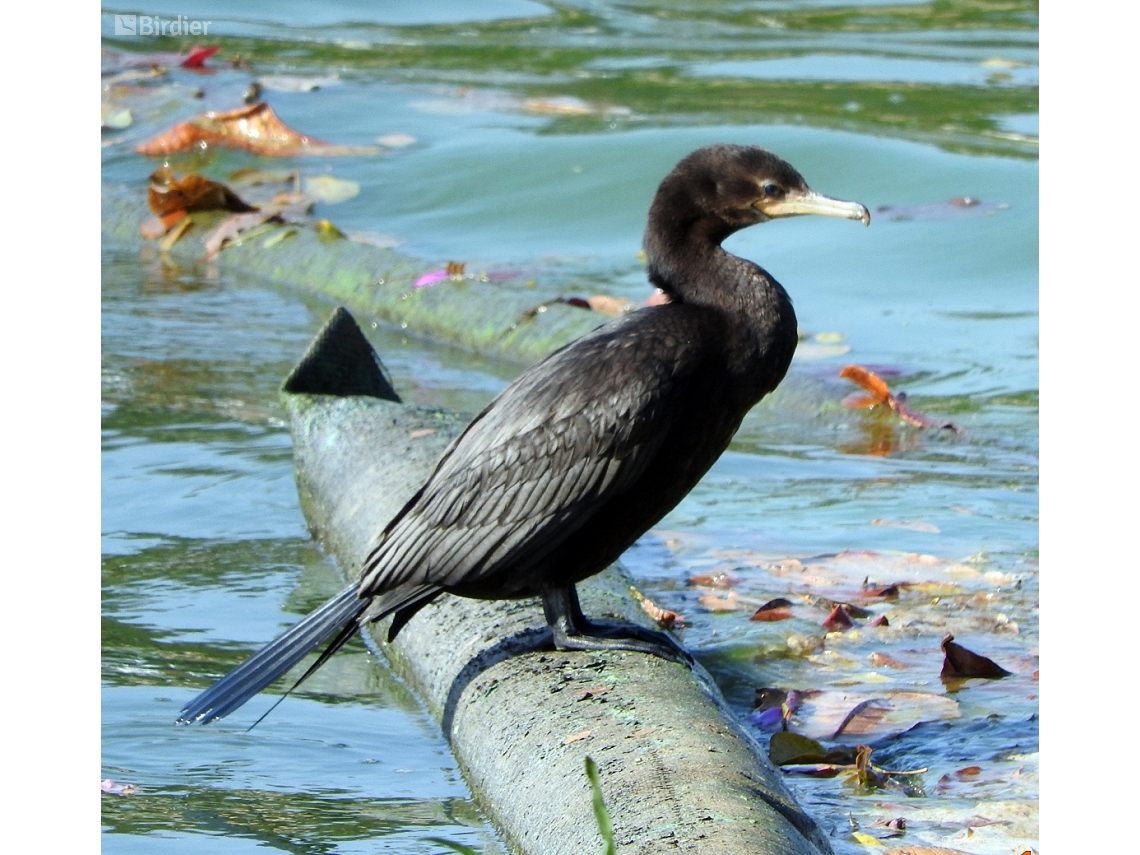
(677, 770)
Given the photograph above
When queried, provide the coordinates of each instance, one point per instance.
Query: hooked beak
(810, 202)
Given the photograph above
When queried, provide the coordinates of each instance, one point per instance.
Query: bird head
(720, 189)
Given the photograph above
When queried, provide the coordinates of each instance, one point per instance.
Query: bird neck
(686, 261)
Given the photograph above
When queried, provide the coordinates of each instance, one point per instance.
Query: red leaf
(838, 620)
(199, 55)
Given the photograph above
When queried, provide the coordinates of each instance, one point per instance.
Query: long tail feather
(338, 615)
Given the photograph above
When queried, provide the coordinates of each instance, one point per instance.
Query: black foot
(572, 630)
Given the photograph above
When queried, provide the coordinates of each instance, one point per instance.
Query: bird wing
(566, 437)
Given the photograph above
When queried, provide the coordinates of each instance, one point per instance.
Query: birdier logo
(153, 25)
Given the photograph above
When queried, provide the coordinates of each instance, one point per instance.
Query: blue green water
(206, 554)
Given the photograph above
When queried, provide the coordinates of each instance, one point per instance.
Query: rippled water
(206, 555)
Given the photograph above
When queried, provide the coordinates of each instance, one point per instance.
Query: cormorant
(588, 448)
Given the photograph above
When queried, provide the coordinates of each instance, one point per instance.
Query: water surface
(540, 132)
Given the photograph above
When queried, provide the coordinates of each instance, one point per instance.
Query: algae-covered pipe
(677, 771)
(508, 321)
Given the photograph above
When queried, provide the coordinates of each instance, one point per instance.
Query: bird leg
(572, 630)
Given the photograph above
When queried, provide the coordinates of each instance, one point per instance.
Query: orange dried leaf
(868, 380)
(421, 432)
(585, 734)
(254, 128)
(167, 194)
(666, 618)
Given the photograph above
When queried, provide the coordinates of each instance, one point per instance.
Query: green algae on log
(374, 281)
(677, 769)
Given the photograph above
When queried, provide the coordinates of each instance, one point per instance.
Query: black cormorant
(588, 448)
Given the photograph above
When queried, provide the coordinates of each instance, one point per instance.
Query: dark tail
(339, 615)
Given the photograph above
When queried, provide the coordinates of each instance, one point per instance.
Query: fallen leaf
(768, 720)
(167, 193)
(881, 394)
(774, 610)
(327, 231)
(232, 228)
(421, 432)
(453, 269)
(254, 128)
(959, 662)
(785, 748)
(880, 620)
(881, 660)
(330, 189)
(238, 227)
(666, 618)
(897, 823)
(870, 381)
(198, 56)
(713, 580)
(838, 620)
(585, 734)
(846, 716)
(867, 839)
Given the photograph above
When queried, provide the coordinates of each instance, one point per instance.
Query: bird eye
(772, 190)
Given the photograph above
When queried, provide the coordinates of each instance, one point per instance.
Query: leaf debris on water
(880, 393)
(255, 128)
